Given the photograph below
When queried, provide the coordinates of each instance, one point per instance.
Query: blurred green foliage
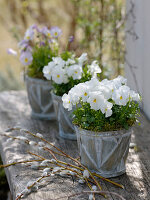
(41, 57)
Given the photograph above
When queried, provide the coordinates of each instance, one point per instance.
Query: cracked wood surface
(15, 110)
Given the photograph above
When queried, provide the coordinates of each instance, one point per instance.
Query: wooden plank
(14, 109)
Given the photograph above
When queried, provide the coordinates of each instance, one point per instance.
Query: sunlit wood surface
(14, 110)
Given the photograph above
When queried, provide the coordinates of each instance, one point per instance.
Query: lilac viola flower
(26, 58)
(44, 30)
(11, 52)
(42, 43)
(55, 32)
(35, 27)
(29, 34)
(23, 44)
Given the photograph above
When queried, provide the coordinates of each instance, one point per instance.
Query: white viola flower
(94, 68)
(70, 62)
(106, 91)
(67, 102)
(121, 95)
(106, 109)
(82, 58)
(47, 73)
(29, 34)
(75, 71)
(58, 61)
(74, 94)
(96, 100)
(134, 96)
(83, 91)
(92, 84)
(65, 79)
(119, 81)
(58, 75)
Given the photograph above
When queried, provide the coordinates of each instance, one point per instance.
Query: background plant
(97, 25)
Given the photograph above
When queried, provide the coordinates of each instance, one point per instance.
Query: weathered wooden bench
(14, 110)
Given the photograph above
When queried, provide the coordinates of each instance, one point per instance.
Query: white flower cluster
(98, 94)
(59, 70)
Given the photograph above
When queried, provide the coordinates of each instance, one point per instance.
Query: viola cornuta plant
(66, 71)
(108, 105)
(37, 48)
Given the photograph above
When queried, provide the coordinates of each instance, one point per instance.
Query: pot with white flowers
(65, 72)
(103, 123)
(36, 50)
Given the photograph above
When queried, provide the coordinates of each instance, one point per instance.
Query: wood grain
(15, 110)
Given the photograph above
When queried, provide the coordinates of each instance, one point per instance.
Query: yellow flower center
(48, 34)
(26, 60)
(58, 76)
(94, 100)
(121, 97)
(106, 109)
(85, 94)
(75, 72)
(55, 33)
(68, 101)
(112, 90)
(28, 37)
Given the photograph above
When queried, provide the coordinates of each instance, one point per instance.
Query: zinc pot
(40, 98)
(104, 152)
(64, 118)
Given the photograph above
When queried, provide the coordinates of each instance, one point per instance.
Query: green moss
(123, 117)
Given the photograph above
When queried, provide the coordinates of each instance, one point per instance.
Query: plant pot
(104, 152)
(40, 98)
(64, 117)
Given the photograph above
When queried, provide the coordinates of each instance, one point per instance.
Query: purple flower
(42, 43)
(71, 38)
(55, 32)
(11, 52)
(23, 44)
(44, 30)
(26, 58)
(29, 34)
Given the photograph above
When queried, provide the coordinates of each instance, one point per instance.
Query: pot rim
(59, 98)
(35, 80)
(103, 134)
